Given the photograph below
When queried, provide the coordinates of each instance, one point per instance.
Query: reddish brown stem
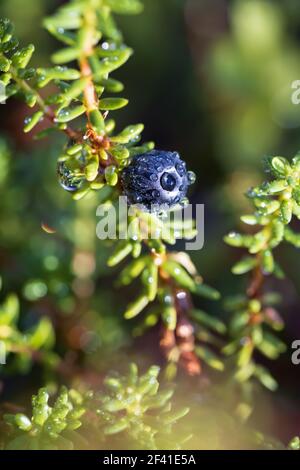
(90, 96)
(73, 135)
(255, 287)
(179, 345)
(185, 334)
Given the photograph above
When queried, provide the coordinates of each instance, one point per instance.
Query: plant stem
(255, 287)
(178, 346)
(91, 100)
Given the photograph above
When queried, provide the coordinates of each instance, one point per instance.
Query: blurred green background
(209, 78)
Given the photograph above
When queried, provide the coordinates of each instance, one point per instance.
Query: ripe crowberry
(156, 178)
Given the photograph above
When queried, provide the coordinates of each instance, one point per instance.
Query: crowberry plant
(130, 404)
(73, 97)
(275, 203)
(96, 156)
(21, 348)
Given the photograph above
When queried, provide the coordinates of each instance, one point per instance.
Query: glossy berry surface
(156, 178)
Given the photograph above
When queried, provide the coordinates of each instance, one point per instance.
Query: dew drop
(181, 295)
(167, 299)
(67, 179)
(153, 177)
(184, 202)
(137, 198)
(155, 194)
(168, 182)
(180, 168)
(191, 177)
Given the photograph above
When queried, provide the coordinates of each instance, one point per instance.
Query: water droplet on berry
(153, 177)
(137, 198)
(168, 182)
(180, 168)
(155, 194)
(184, 202)
(191, 177)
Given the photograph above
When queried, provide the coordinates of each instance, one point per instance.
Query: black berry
(156, 178)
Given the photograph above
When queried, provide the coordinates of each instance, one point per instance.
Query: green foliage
(47, 426)
(21, 348)
(275, 204)
(4, 162)
(294, 444)
(166, 281)
(96, 153)
(134, 405)
(77, 101)
(96, 44)
(131, 406)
